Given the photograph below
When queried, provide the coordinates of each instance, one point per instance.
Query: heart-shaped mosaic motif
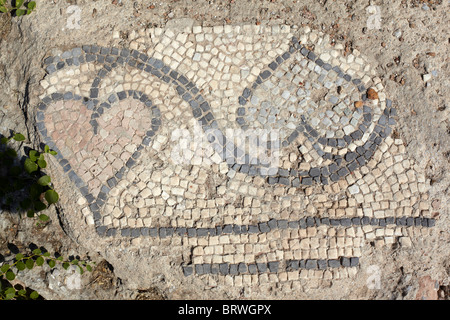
(97, 153)
(96, 145)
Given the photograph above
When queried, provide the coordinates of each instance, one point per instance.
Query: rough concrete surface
(412, 43)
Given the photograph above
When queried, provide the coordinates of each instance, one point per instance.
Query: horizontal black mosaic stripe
(271, 225)
(270, 267)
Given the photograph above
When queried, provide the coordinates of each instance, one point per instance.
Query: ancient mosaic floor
(264, 152)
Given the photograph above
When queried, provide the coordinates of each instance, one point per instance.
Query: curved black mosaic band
(342, 164)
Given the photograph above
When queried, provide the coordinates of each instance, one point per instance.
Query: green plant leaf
(10, 293)
(29, 263)
(33, 155)
(19, 3)
(44, 181)
(51, 196)
(5, 268)
(10, 290)
(44, 217)
(3, 9)
(80, 270)
(47, 149)
(51, 263)
(37, 251)
(30, 213)
(39, 206)
(46, 254)
(10, 275)
(19, 256)
(34, 295)
(22, 292)
(60, 258)
(3, 140)
(19, 137)
(88, 268)
(25, 204)
(66, 265)
(20, 266)
(31, 5)
(10, 296)
(42, 164)
(36, 191)
(39, 261)
(20, 12)
(30, 166)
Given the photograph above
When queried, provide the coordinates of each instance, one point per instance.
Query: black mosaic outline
(113, 57)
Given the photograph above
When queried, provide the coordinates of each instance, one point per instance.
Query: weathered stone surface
(113, 114)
